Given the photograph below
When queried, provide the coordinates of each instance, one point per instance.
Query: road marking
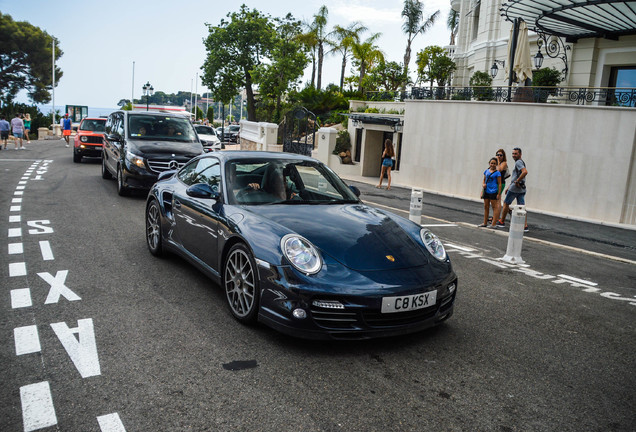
(20, 187)
(57, 287)
(16, 200)
(17, 269)
(439, 225)
(15, 248)
(15, 208)
(110, 423)
(454, 246)
(83, 350)
(26, 340)
(15, 232)
(15, 218)
(572, 278)
(45, 248)
(21, 298)
(37, 406)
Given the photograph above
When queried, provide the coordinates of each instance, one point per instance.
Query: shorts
(17, 134)
(387, 162)
(490, 196)
(511, 196)
(66, 132)
(4, 135)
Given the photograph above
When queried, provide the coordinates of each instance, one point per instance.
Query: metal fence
(597, 96)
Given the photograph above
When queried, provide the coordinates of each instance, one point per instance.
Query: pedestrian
(5, 126)
(17, 127)
(517, 189)
(66, 128)
(502, 167)
(387, 163)
(491, 192)
(27, 127)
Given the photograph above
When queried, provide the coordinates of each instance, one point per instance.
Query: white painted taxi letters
(57, 287)
(83, 349)
(40, 227)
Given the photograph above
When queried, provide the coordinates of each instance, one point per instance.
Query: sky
(164, 39)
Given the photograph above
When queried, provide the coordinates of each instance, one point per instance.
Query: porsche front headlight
(301, 253)
(433, 244)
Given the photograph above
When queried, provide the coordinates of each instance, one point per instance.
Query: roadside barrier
(415, 212)
(515, 235)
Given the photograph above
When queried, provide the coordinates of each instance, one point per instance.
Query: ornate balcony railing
(597, 96)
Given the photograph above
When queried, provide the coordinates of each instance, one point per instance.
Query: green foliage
(210, 113)
(385, 76)
(25, 60)
(199, 112)
(365, 55)
(343, 142)
(372, 110)
(481, 83)
(546, 77)
(127, 107)
(38, 119)
(434, 65)
(318, 101)
(235, 48)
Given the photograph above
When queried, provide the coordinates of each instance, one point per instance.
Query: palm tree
(320, 28)
(366, 55)
(344, 38)
(310, 40)
(413, 14)
(452, 23)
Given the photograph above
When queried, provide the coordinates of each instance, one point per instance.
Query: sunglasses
(499, 154)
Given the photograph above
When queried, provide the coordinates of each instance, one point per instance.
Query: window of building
(622, 76)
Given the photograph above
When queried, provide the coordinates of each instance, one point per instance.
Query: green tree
(481, 83)
(387, 76)
(310, 41)
(320, 29)
(287, 62)
(366, 54)
(343, 40)
(414, 24)
(235, 48)
(452, 23)
(429, 67)
(25, 60)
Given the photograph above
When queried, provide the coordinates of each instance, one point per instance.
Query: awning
(575, 19)
(370, 119)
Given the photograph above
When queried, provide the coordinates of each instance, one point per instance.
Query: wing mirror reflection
(355, 190)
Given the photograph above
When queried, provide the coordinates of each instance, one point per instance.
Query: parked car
(139, 145)
(229, 133)
(89, 139)
(293, 247)
(209, 139)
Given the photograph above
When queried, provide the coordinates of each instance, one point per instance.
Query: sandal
(482, 226)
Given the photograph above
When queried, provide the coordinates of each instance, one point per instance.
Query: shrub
(343, 142)
(481, 83)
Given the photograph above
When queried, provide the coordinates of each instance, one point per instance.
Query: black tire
(77, 158)
(105, 173)
(240, 281)
(153, 228)
(122, 190)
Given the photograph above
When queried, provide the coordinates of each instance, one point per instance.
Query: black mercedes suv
(139, 145)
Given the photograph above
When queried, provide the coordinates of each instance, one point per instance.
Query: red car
(89, 139)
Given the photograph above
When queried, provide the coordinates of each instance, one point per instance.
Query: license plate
(408, 303)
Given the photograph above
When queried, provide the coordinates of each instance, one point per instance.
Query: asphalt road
(98, 335)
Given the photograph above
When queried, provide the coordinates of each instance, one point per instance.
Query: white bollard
(515, 236)
(415, 213)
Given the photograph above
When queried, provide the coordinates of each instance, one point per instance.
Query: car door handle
(177, 203)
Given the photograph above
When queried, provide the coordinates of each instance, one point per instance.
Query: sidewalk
(598, 238)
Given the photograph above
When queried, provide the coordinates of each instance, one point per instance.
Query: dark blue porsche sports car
(293, 247)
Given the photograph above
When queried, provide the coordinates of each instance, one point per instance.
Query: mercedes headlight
(135, 160)
(301, 253)
(433, 244)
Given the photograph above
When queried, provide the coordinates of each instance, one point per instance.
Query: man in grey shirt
(517, 189)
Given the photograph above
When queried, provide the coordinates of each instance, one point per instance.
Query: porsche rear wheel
(240, 281)
(153, 228)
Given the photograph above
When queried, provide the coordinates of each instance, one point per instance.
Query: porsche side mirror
(202, 190)
(355, 190)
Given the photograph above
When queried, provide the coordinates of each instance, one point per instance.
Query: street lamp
(538, 59)
(494, 68)
(148, 91)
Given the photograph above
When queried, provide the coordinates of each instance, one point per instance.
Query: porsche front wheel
(240, 281)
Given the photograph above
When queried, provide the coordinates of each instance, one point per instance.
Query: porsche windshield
(161, 127)
(255, 182)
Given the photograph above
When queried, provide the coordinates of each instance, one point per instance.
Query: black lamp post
(538, 59)
(148, 91)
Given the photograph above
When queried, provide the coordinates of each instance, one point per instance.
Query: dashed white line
(17, 269)
(110, 423)
(454, 246)
(16, 201)
(572, 278)
(37, 406)
(14, 232)
(15, 208)
(439, 225)
(26, 340)
(15, 218)
(21, 298)
(15, 248)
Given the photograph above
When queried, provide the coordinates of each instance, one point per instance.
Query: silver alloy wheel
(240, 284)
(152, 226)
